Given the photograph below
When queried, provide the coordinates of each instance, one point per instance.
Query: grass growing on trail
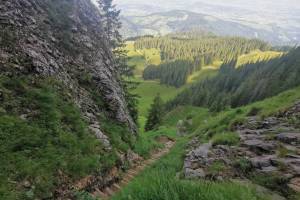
(148, 141)
(159, 182)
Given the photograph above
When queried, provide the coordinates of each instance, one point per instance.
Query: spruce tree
(155, 113)
(110, 17)
(111, 22)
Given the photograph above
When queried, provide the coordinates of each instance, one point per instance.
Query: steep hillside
(63, 111)
(168, 178)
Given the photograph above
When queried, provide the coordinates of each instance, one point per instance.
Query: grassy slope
(161, 182)
(142, 58)
(255, 56)
(223, 121)
(55, 139)
(147, 90)
(206, 72)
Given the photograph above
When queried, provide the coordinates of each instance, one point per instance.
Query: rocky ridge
(268, 147)
(65, 40)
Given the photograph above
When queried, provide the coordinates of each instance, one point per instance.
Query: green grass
(202, 74)
(54, 140)
(274, 182)
(142, 58)
(256, 56)
(160, 182)
(147, 90)
(145, 144)
(224, 121)
(197, 114)
(226, 139)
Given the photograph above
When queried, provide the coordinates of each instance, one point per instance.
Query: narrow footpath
(108, 192)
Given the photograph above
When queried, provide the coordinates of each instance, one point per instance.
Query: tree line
(174, 73)
(204, 48)
(234, 87)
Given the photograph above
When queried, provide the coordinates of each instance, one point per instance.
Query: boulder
(194, 173)
(294, 184)
(101, 137)
(260, 146)
(200, 152)
(261, 161)
(270, 121)
(289, 138)
(181, 128)
(251, 137)
(269, 169)
(253, 123)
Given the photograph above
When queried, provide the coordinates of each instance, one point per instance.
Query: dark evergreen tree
(111, 24)
(155, 114)
(173, 73)
(235, 87)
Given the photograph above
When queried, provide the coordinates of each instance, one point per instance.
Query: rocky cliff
(63, 112)
(63, 39)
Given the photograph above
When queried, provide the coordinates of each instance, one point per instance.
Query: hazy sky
(288, 3)
(249, 4)
(283, 12)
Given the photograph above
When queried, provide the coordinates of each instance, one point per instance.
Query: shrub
(243, 165)
(216, 168)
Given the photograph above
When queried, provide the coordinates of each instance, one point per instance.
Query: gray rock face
(261, 161)
(194, 173)
(289, 138)
(260, 146)
(269, 146)
(201, 151)
(68, 54)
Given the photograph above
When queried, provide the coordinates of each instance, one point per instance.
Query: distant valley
(275, 25)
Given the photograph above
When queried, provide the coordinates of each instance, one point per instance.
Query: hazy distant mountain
(275, 21)
(162, 23)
